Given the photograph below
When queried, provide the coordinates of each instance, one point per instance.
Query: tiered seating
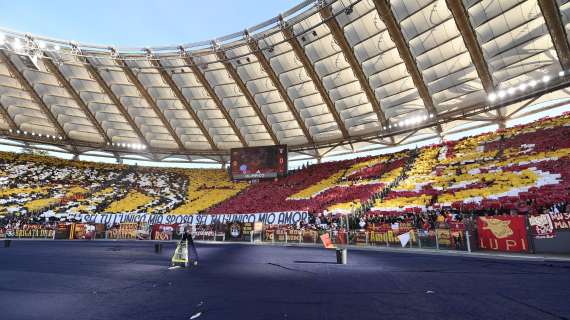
(271, 196)
(407, 196)
(39, 184)
(368, 169)
(36, 205)
(207, 188)
(94, 203)
(376, 168)
(133, 201)
(420, 174)
(401, 201)
(522, 168)
(320, 187)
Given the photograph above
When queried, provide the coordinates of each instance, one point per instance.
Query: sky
(137, 23)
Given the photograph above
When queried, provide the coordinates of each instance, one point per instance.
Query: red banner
(502, 233)
(163, 231)
(326, 239)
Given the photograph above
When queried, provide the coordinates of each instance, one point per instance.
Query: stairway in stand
(413, 154)
(501, 150)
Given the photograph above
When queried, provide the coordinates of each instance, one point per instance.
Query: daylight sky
(137, 22)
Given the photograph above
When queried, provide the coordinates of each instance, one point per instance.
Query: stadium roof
(324, 75)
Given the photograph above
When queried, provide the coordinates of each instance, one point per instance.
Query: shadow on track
(315, 262)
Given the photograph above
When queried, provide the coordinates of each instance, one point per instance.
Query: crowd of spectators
(519, 170)
(49, 186)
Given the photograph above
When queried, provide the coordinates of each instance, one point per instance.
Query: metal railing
(440, 239)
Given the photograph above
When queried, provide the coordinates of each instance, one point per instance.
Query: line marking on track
(290, 269)
(504, 296)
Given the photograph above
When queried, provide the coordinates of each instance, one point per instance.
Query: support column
(502, 123)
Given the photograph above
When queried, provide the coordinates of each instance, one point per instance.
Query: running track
(127, 280)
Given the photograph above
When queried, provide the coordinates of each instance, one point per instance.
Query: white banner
(541, 226)
(288, 217)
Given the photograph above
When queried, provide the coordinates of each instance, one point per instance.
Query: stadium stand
(38, 184)
(339, 186)
(521, 169)
(207, 188)
(404, 113)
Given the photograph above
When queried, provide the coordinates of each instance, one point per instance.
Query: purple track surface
(127, 280)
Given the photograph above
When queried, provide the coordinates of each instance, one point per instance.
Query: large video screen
(259, 162)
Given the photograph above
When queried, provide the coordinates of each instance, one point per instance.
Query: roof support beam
(249, 97)
(454, 115)
(178, 93)
(63, 81)
(409, 135)
(142, 90)
(461, 18)
(265, 64)
(446, 117)
(393, 27)
(310, 69)
(202, 79)
(480, 119)
(545, 108)
(116, 101)
(339, 37)
(307, 154)
(35, 96)
(517, 110)
(500, 115)
(392, 142)
(552, 16)
(329, 150)
(502, 124)
(11, 123)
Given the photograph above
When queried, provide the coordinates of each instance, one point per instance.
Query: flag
(404, 238)
(325, 238)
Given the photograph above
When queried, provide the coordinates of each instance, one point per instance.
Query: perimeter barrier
(499, 233)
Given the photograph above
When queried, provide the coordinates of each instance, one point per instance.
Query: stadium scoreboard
(258, 162)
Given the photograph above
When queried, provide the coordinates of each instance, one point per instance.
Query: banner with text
(289, 217)
(560, 221)
(502, 233)
(541, 226)
(30, 233)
